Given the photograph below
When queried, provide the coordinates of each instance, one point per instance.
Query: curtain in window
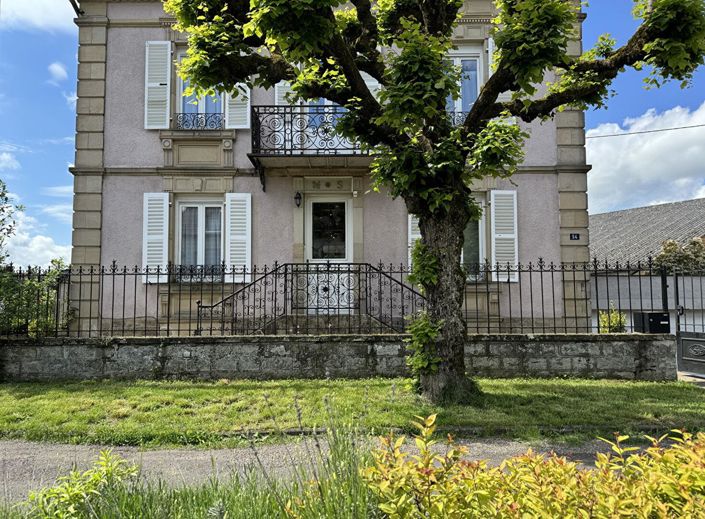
(213, 236)
(189, 236)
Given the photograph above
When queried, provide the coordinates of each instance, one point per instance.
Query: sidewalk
(26, 466)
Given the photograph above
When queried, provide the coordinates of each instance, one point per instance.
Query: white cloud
(646, 169)
(71, 98)
(45, 15)
(60, 212)
(8, 161)
(58, 191)
(12, 147)
(29, 247)
(58, 73)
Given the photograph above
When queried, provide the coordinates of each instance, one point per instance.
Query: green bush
(29, 302)
(662, 482)
(71, 496)
(613, 321)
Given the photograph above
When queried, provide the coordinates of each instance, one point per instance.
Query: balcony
(299, 130)
(198, 122)
(304, 136)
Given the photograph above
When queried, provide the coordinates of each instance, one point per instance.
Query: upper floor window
(468, 60)
(194, 113)
(165, 105)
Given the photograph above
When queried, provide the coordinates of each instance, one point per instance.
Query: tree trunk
(444, 237)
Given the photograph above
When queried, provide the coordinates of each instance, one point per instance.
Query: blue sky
(38, 47)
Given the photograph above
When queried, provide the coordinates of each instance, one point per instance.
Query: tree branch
(486, 107)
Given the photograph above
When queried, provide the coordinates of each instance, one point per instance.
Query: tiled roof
(635, 234)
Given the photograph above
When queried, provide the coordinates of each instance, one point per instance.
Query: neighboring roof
(635, 234)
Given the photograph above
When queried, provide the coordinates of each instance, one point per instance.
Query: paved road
(26, 466)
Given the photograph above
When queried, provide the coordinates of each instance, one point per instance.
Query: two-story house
(162, 179)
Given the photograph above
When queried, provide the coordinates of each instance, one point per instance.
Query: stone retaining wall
(631, 357)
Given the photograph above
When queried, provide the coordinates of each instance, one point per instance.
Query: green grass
(156, 414)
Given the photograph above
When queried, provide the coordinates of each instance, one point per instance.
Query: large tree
(323, 47)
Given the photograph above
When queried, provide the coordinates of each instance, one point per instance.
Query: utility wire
(645, 131)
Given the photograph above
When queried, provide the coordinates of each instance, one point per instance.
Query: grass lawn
(152, 414)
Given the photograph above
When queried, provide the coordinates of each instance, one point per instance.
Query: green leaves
(423, 358)
(299, 28)
(497, 151)
(532, 37)
(678, 45)
(419, 80)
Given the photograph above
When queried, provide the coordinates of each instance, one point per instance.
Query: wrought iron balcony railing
(299, 130)
(306, 130)
(199, 121)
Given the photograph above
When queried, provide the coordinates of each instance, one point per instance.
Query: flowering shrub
(661, 482)
(613, 321)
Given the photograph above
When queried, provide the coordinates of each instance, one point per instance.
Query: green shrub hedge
(661, 482)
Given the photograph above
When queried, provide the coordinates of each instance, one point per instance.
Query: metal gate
(689, 296)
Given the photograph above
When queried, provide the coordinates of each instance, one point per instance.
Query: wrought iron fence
(347, 298)
(199, 121)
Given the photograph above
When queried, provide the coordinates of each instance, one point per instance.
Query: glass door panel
(328, 230)
(189, 236)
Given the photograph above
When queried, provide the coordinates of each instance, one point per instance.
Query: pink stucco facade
(121, 161)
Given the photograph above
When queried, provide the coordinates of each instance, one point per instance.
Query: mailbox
(652, 322)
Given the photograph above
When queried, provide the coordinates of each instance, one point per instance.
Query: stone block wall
(629, 357)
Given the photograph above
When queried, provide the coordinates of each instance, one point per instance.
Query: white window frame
(201, 107)
(201, 204)
(468, 52)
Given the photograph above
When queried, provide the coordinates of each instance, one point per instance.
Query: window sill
(198, 134)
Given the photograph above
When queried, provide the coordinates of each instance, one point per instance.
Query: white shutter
(281, 90)
(414, 234)
(238, 233)
(155, 237)
(237, 108)
(491, 56)
(157, 88)
(372, 84)
(491, 50)
(505, 238)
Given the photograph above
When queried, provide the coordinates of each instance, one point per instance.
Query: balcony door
(331, 284)
(194, 113)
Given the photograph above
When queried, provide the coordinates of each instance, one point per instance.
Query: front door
(330, 280)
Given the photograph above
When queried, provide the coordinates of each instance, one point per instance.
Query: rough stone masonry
(617, 356)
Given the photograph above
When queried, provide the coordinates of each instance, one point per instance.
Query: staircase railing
(315, 298)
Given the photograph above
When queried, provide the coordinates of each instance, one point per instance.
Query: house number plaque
(328, 184)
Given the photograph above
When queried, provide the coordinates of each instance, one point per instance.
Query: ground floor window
(200, 234)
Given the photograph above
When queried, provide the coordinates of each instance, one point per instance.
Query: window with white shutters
(155, 237)
(157, 85)
(237, 108)
(238, 233)
(505, 239)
